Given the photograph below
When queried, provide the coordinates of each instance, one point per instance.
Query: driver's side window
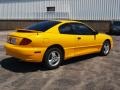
(81, 29)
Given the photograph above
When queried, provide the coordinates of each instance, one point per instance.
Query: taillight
(25, 41)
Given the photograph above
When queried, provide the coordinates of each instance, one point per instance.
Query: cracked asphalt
(90, 72)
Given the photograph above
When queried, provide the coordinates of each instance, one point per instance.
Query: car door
(86, 39)
(67, 39)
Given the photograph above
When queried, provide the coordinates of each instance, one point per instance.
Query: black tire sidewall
(46, 62)
(102, 50)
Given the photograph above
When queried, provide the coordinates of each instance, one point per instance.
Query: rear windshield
(42, 26)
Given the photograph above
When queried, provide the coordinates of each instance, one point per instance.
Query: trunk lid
(16, 37)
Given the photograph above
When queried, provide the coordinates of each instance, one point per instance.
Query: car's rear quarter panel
(66, 42)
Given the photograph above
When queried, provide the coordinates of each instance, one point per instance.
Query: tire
(53, 58)
(105, 48)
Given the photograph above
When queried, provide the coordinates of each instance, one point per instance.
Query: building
(22, 11)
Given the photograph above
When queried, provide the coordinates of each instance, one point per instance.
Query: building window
(50, 9)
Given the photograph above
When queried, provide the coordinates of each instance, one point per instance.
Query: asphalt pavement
(90, 72)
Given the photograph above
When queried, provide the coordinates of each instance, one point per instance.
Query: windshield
(117, 23)
(42, 26)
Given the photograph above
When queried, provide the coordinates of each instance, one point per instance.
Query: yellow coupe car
(51, 42)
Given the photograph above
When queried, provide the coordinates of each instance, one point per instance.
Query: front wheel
(53, 58)
(105, 48)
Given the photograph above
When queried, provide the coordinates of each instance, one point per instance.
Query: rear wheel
(105, 48)
(53, 58)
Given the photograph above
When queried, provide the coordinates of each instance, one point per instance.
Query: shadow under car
(15, 65)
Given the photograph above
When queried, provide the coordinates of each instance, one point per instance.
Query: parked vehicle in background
(115, 28)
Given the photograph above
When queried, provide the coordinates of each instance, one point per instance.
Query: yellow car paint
(41, 41)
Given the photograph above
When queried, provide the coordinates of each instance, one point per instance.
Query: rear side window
(43, 26)
(66, 29)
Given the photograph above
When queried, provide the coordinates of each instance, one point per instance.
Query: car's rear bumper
(28, 54)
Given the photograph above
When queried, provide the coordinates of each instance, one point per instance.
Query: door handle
(79, 38)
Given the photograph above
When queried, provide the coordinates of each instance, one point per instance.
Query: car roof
(65, 21)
